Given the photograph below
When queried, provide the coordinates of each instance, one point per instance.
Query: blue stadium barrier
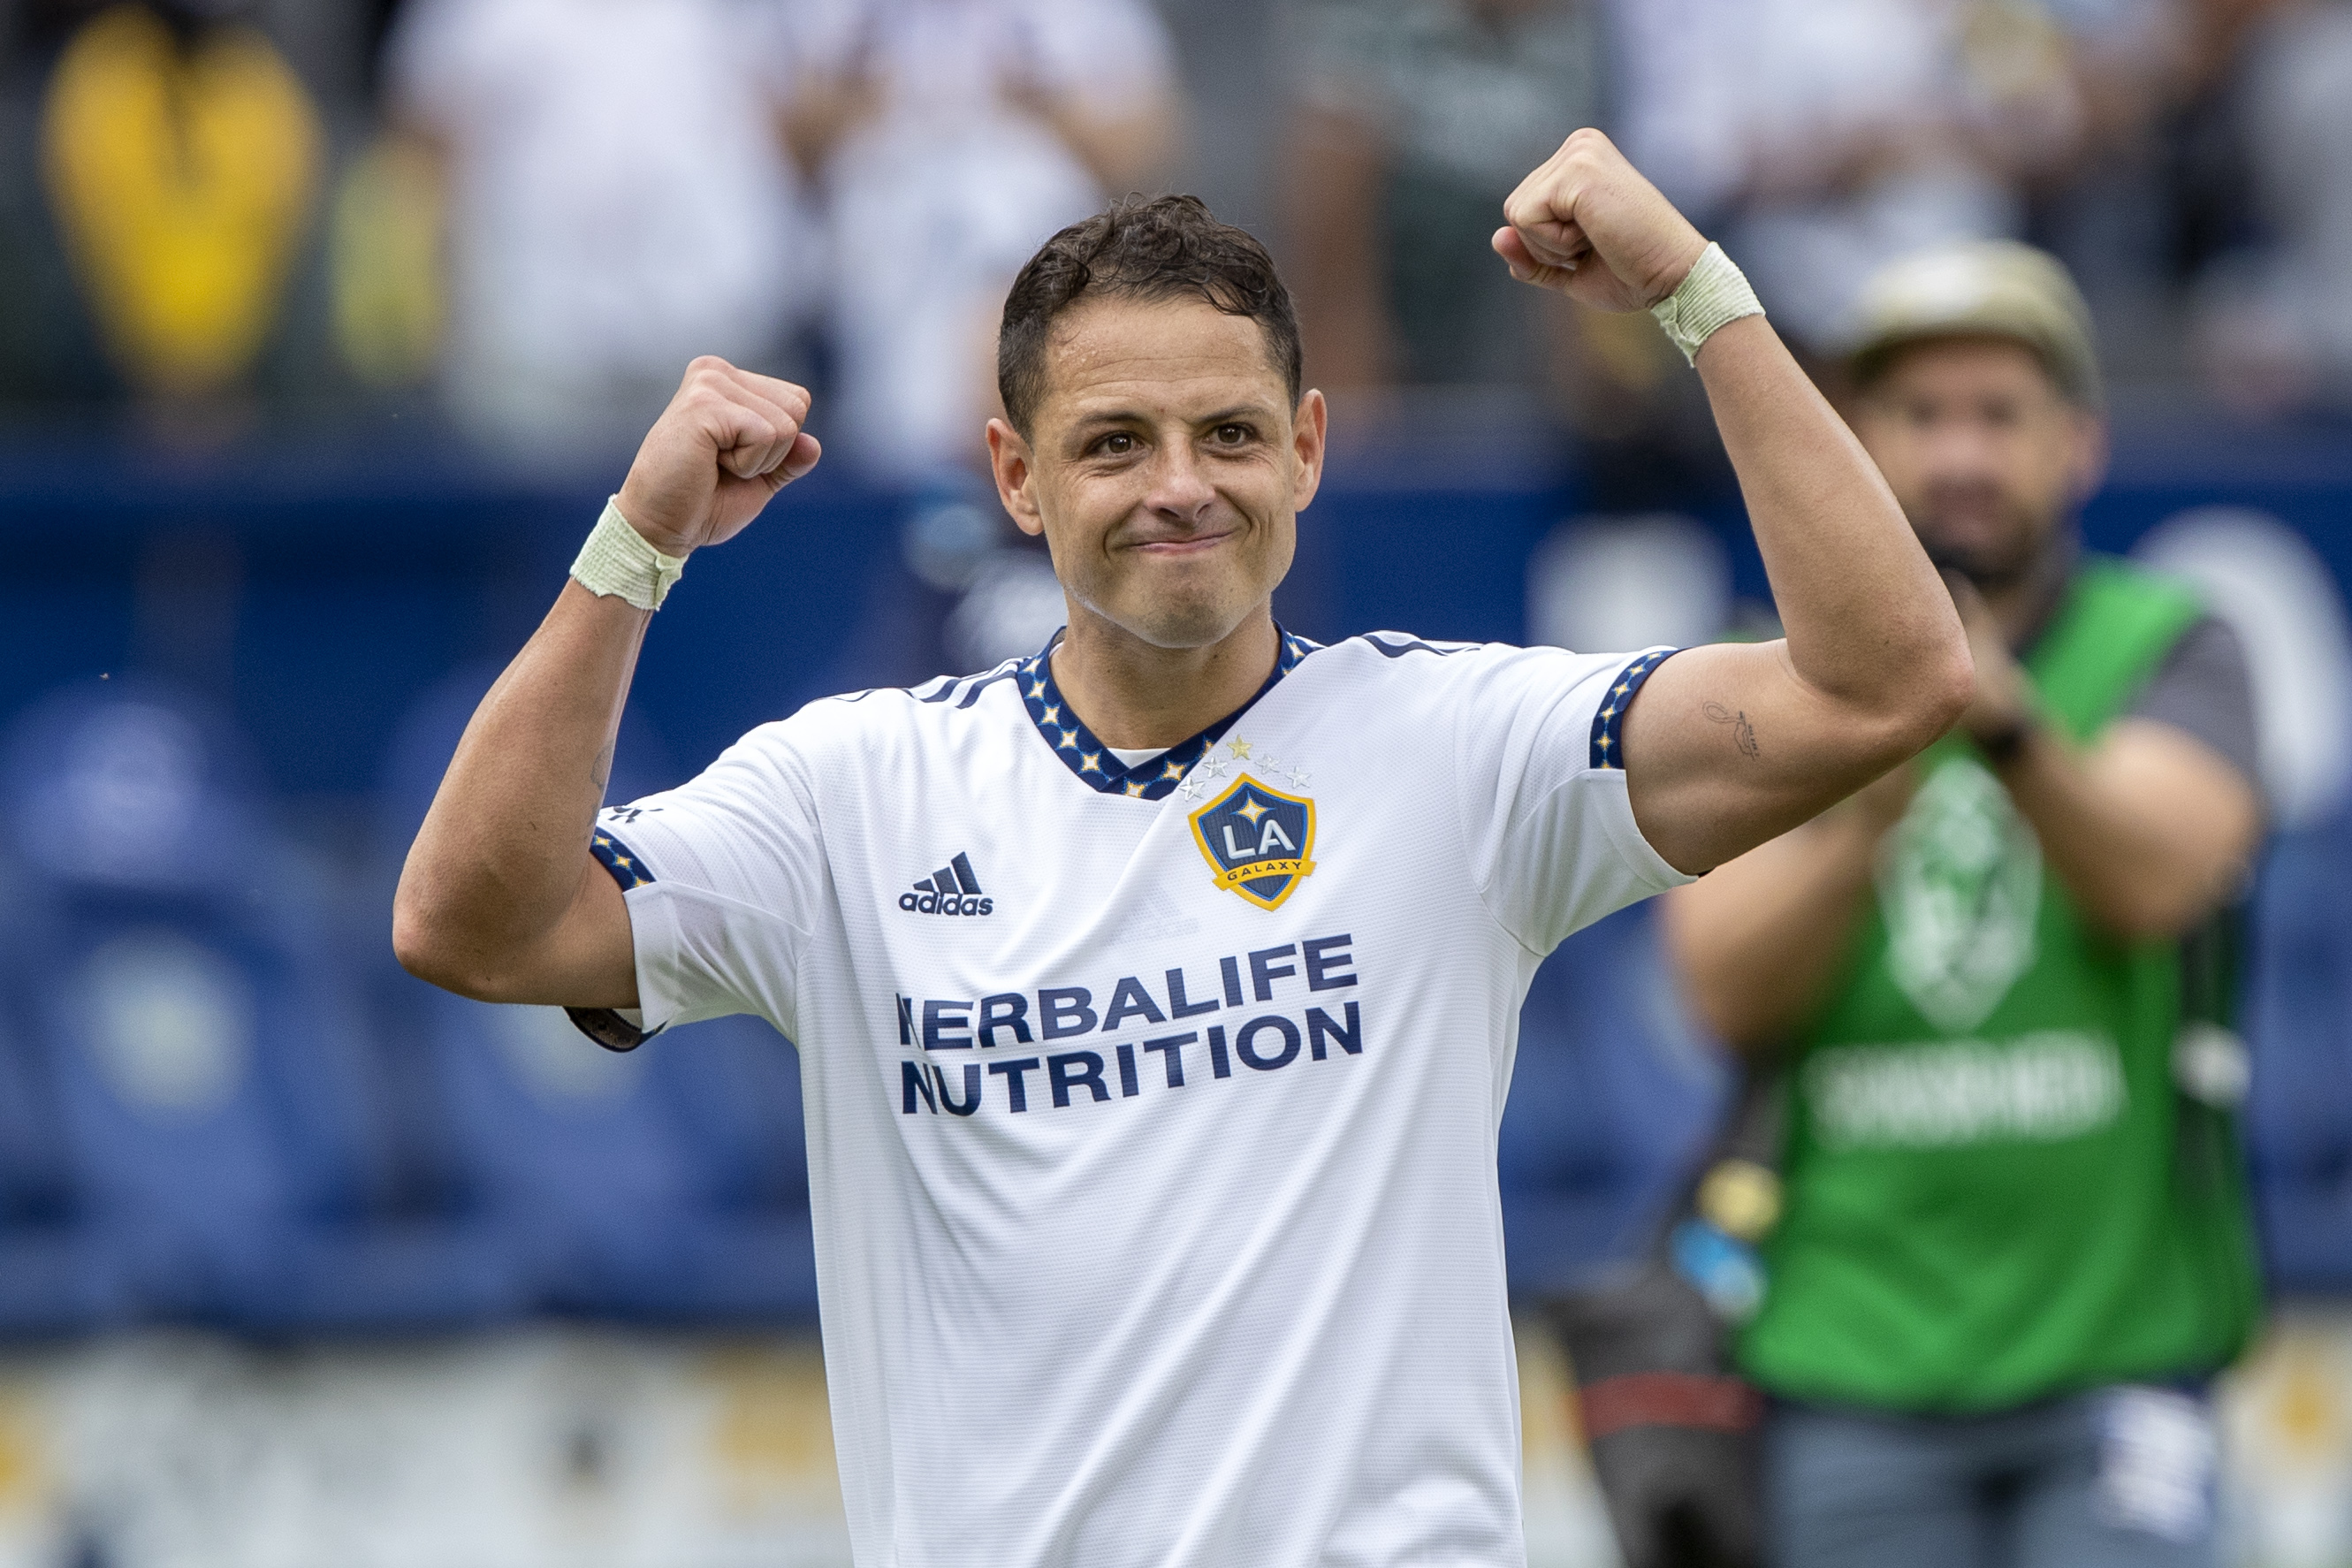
(2299, 1021)
(590, 1164)
(204, 1057)
(51, 1280)
(1612, 1098)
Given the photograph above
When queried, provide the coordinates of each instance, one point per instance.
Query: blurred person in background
(1828, 136)
(1414, 120)
(182, 160)
(617, 196)
(950, 138)
(2012, 1246)
(1410, 119)
(2275, 327)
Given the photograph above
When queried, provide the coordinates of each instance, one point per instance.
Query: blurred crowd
(529, 213)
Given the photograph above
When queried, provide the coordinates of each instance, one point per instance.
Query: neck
(1133, 695)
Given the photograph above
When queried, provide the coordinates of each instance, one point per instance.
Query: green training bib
(1985, 1201)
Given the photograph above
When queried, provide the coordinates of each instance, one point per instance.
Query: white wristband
(619, 562)
(1714, 295)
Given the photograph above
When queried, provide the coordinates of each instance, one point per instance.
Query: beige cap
(1994, 287)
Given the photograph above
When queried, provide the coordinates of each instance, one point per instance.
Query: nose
(1960, 451)
(1181, 492)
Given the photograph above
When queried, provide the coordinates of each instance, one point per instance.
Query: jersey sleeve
(723, 878)
(1553, 841)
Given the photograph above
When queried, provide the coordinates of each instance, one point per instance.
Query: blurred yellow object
(1741, 1199)
(184, 181)
(384, 248)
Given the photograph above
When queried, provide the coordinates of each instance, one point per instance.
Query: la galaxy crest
(1258, 840)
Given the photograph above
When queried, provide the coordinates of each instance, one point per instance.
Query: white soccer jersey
(1151, 1112)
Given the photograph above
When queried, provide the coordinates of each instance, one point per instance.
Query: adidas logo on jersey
(953, 889)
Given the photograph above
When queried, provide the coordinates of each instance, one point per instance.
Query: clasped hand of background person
(727, 442)
(1588, 202)
(2004, 698)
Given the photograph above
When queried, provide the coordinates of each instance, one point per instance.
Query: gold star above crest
(1239, 748)
(1252, 811)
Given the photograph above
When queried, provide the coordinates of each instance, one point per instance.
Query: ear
(1016, 476)
(1308, 431)
(2087, 462)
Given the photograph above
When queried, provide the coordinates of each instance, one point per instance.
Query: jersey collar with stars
(1093, 764)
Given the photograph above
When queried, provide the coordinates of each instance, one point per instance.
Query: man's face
(1984, 453)
(1165, 468)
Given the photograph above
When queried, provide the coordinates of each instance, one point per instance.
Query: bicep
(1727, 746)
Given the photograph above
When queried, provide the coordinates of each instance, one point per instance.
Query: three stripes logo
(953, 889)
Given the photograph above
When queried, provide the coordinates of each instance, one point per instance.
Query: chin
(1183, 624)
(1983, 556)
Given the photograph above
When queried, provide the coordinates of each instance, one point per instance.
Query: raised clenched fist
(727, 443)
(1587, 225)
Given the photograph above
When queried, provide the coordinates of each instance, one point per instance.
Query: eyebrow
(1109, 416)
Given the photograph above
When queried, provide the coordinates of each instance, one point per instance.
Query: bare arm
(500, 898)
(1729, 746)
(1758, 941)
(1121, 147)
(1331, 198)
(2148, 828)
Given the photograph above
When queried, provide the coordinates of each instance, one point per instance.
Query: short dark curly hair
(1158, 248)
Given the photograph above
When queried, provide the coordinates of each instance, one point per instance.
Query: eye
(1231, 435)
(1118, 444)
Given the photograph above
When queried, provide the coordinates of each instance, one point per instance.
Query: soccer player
(1156, 994)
